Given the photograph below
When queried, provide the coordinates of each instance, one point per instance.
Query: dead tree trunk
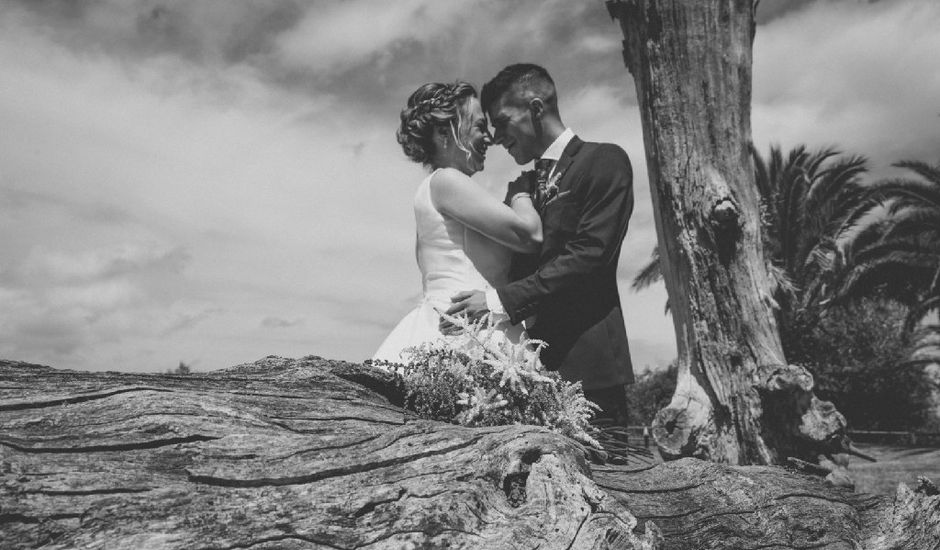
(737, 401)
(310, 453)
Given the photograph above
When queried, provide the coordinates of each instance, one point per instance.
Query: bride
(465, 236)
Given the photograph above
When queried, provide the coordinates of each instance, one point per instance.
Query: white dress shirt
(553, 152)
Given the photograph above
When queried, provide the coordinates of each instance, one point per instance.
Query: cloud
(54, 302)
(340, 35)
(331, 47)
(277, 322)
(858, 75)
(187, 320)
(768, 10)
(120, 261)
(159, 212)
(219, 181)
(14, 200)
(210, 32)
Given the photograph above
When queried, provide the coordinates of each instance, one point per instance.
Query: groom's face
(514, 128)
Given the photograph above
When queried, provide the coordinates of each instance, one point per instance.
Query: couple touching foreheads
(545, 259)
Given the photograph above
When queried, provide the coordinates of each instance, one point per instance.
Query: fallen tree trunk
(313, 453)
(278, 454)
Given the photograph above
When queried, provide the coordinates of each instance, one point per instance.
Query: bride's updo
(431, 106)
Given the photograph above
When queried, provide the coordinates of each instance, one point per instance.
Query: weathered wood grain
(294, 454)
(278, 454)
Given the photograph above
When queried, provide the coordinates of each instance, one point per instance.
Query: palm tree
(892, 246)
(807, 199)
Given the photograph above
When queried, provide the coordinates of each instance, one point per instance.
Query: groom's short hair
(531, 80)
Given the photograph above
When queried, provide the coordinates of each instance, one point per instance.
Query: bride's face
(473, 136)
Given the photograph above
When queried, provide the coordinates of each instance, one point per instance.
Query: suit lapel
(557, 184)
(567, 157)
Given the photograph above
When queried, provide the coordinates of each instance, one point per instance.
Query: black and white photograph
(481, 274)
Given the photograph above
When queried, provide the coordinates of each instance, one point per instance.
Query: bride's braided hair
(431, 106)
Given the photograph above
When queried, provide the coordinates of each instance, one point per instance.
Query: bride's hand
(523, 185)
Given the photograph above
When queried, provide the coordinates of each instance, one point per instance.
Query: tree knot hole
(725, 223)
(514, 487)
(672, 431)
(531, 456)
(725, 213)
(514, 484)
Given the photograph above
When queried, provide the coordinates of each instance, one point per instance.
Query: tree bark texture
(736, 401)
(311, 453)
(279, 454)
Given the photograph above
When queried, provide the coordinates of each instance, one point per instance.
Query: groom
(584, 194)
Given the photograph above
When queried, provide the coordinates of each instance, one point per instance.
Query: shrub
(856, 352)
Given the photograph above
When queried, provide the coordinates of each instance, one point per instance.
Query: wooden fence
(640, 435)
(908, 439)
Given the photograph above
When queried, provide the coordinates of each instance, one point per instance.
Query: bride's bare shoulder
(445, 177)
(449, 189)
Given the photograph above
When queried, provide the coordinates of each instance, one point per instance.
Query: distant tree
(182, 368)
(652, 391)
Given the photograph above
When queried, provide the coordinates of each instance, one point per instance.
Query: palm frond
(907, 191)
(814, 160)
(761, 174)
(866, 233)
(898, 264)
(838, 180)
(795, 184)
(915, 223)
(920, 311)
(782, 286)
(649, 274)
(925, 347)
(928, 172)
(826, 256)
(867, 207)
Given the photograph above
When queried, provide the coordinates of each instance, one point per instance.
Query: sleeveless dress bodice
(451, 258)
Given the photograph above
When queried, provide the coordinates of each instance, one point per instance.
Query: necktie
(543, 167)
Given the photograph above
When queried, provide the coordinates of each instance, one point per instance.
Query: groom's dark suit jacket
(573, 290)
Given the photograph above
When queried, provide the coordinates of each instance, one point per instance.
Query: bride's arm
(517, 226)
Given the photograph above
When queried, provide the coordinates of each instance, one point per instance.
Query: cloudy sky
(211, 181)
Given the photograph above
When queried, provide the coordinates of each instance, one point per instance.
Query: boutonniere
(551, 187)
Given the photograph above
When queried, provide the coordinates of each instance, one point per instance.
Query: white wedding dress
(452, 258)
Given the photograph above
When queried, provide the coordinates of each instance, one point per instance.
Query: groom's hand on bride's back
(471, 303)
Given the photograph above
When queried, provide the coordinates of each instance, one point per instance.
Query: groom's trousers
(613, 403)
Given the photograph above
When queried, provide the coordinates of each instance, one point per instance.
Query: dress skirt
(421, 326)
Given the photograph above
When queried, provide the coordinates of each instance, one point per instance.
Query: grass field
(895, 465)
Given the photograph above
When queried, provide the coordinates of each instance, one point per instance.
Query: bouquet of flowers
(480, 378)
